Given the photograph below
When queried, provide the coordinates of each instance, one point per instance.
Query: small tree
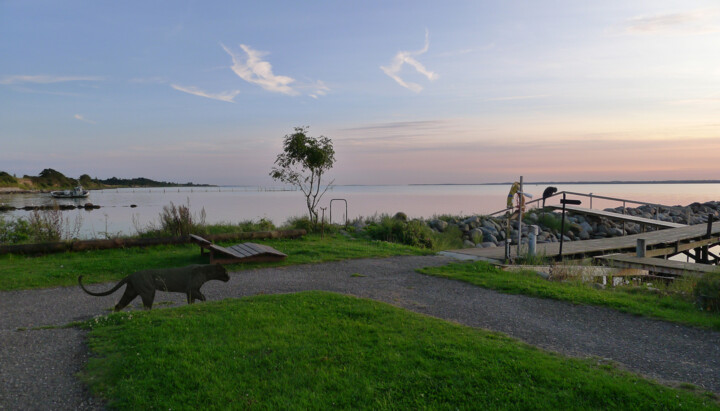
(303, 162)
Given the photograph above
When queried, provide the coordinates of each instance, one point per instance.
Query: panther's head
(220, 273)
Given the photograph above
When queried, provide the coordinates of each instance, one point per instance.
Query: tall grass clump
(450, 239)
(707, 292)
(176, 221)
(49, 225)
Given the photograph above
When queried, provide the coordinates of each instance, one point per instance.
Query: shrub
(300, 223)
(707, 292)
(260, 225)
(414, 232)
(179, 221)
(400, 216)
(14, 231)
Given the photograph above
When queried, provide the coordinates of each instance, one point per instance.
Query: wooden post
(640, 248)
(709, 226)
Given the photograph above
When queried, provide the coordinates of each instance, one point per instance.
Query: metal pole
(508, 240)
(520, 211)
(562, 227)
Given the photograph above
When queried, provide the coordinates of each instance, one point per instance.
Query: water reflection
(234, 204)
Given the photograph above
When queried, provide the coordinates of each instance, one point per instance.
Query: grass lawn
(318, 350)
(636, 301)
(52, 270)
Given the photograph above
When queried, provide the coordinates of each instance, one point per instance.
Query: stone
(441, 225)
(468, 244)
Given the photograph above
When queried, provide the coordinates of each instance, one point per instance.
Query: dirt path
(37, 367)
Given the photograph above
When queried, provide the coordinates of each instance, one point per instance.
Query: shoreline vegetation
(49, 180)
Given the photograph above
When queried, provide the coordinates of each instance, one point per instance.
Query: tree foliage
(302, 163)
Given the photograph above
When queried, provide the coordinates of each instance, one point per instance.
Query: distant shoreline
(575, 183)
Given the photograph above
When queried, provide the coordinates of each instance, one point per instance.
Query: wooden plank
(664, 241)
(657, 265)
(245, 252)
(618, 216)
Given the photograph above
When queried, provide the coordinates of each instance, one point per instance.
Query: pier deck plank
(657, 265)
(668, 242)
(618, 216)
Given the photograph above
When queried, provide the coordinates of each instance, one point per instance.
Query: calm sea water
(235, 204)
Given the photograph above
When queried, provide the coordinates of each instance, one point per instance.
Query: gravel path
(38, 366)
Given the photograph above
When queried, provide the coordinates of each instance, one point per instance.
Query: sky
(410, 92)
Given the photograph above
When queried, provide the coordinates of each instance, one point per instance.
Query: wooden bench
(239, 253)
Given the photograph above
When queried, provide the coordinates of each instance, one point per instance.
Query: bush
(300, 223)
(14, 231)
(414, 232)
(707, 292)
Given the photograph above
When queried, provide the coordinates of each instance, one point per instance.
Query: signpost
(562, 223)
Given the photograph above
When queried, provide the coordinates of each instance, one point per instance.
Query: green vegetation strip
(636, 300)
(25, 272)
(317, 350)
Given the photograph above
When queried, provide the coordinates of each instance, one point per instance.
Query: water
(235, 204)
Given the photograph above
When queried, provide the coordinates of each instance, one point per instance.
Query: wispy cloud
(511, 98)
(223, 96)
(148, 80)
(406, 57)
(46, 79)
(690, 22)
(83, 119)
(320, 89)
(253, 69)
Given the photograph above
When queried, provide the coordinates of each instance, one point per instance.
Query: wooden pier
(661, 243)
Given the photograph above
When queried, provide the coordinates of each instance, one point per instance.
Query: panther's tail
(108, 292)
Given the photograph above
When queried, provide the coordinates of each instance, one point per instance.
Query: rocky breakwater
(482, 231)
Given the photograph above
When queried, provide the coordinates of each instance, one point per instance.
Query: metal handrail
(591, 196)
(346, 209)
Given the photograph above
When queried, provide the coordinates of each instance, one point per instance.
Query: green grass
(666, 307)
(24, 272)
(318, 350)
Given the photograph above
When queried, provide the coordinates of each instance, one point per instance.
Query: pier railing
(656, 207)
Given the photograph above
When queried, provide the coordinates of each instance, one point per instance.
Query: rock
(440, 225)
(487, 233)
(476, 235)
(487, 244)
(584, 235)
(468, 244)
(471, 220)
